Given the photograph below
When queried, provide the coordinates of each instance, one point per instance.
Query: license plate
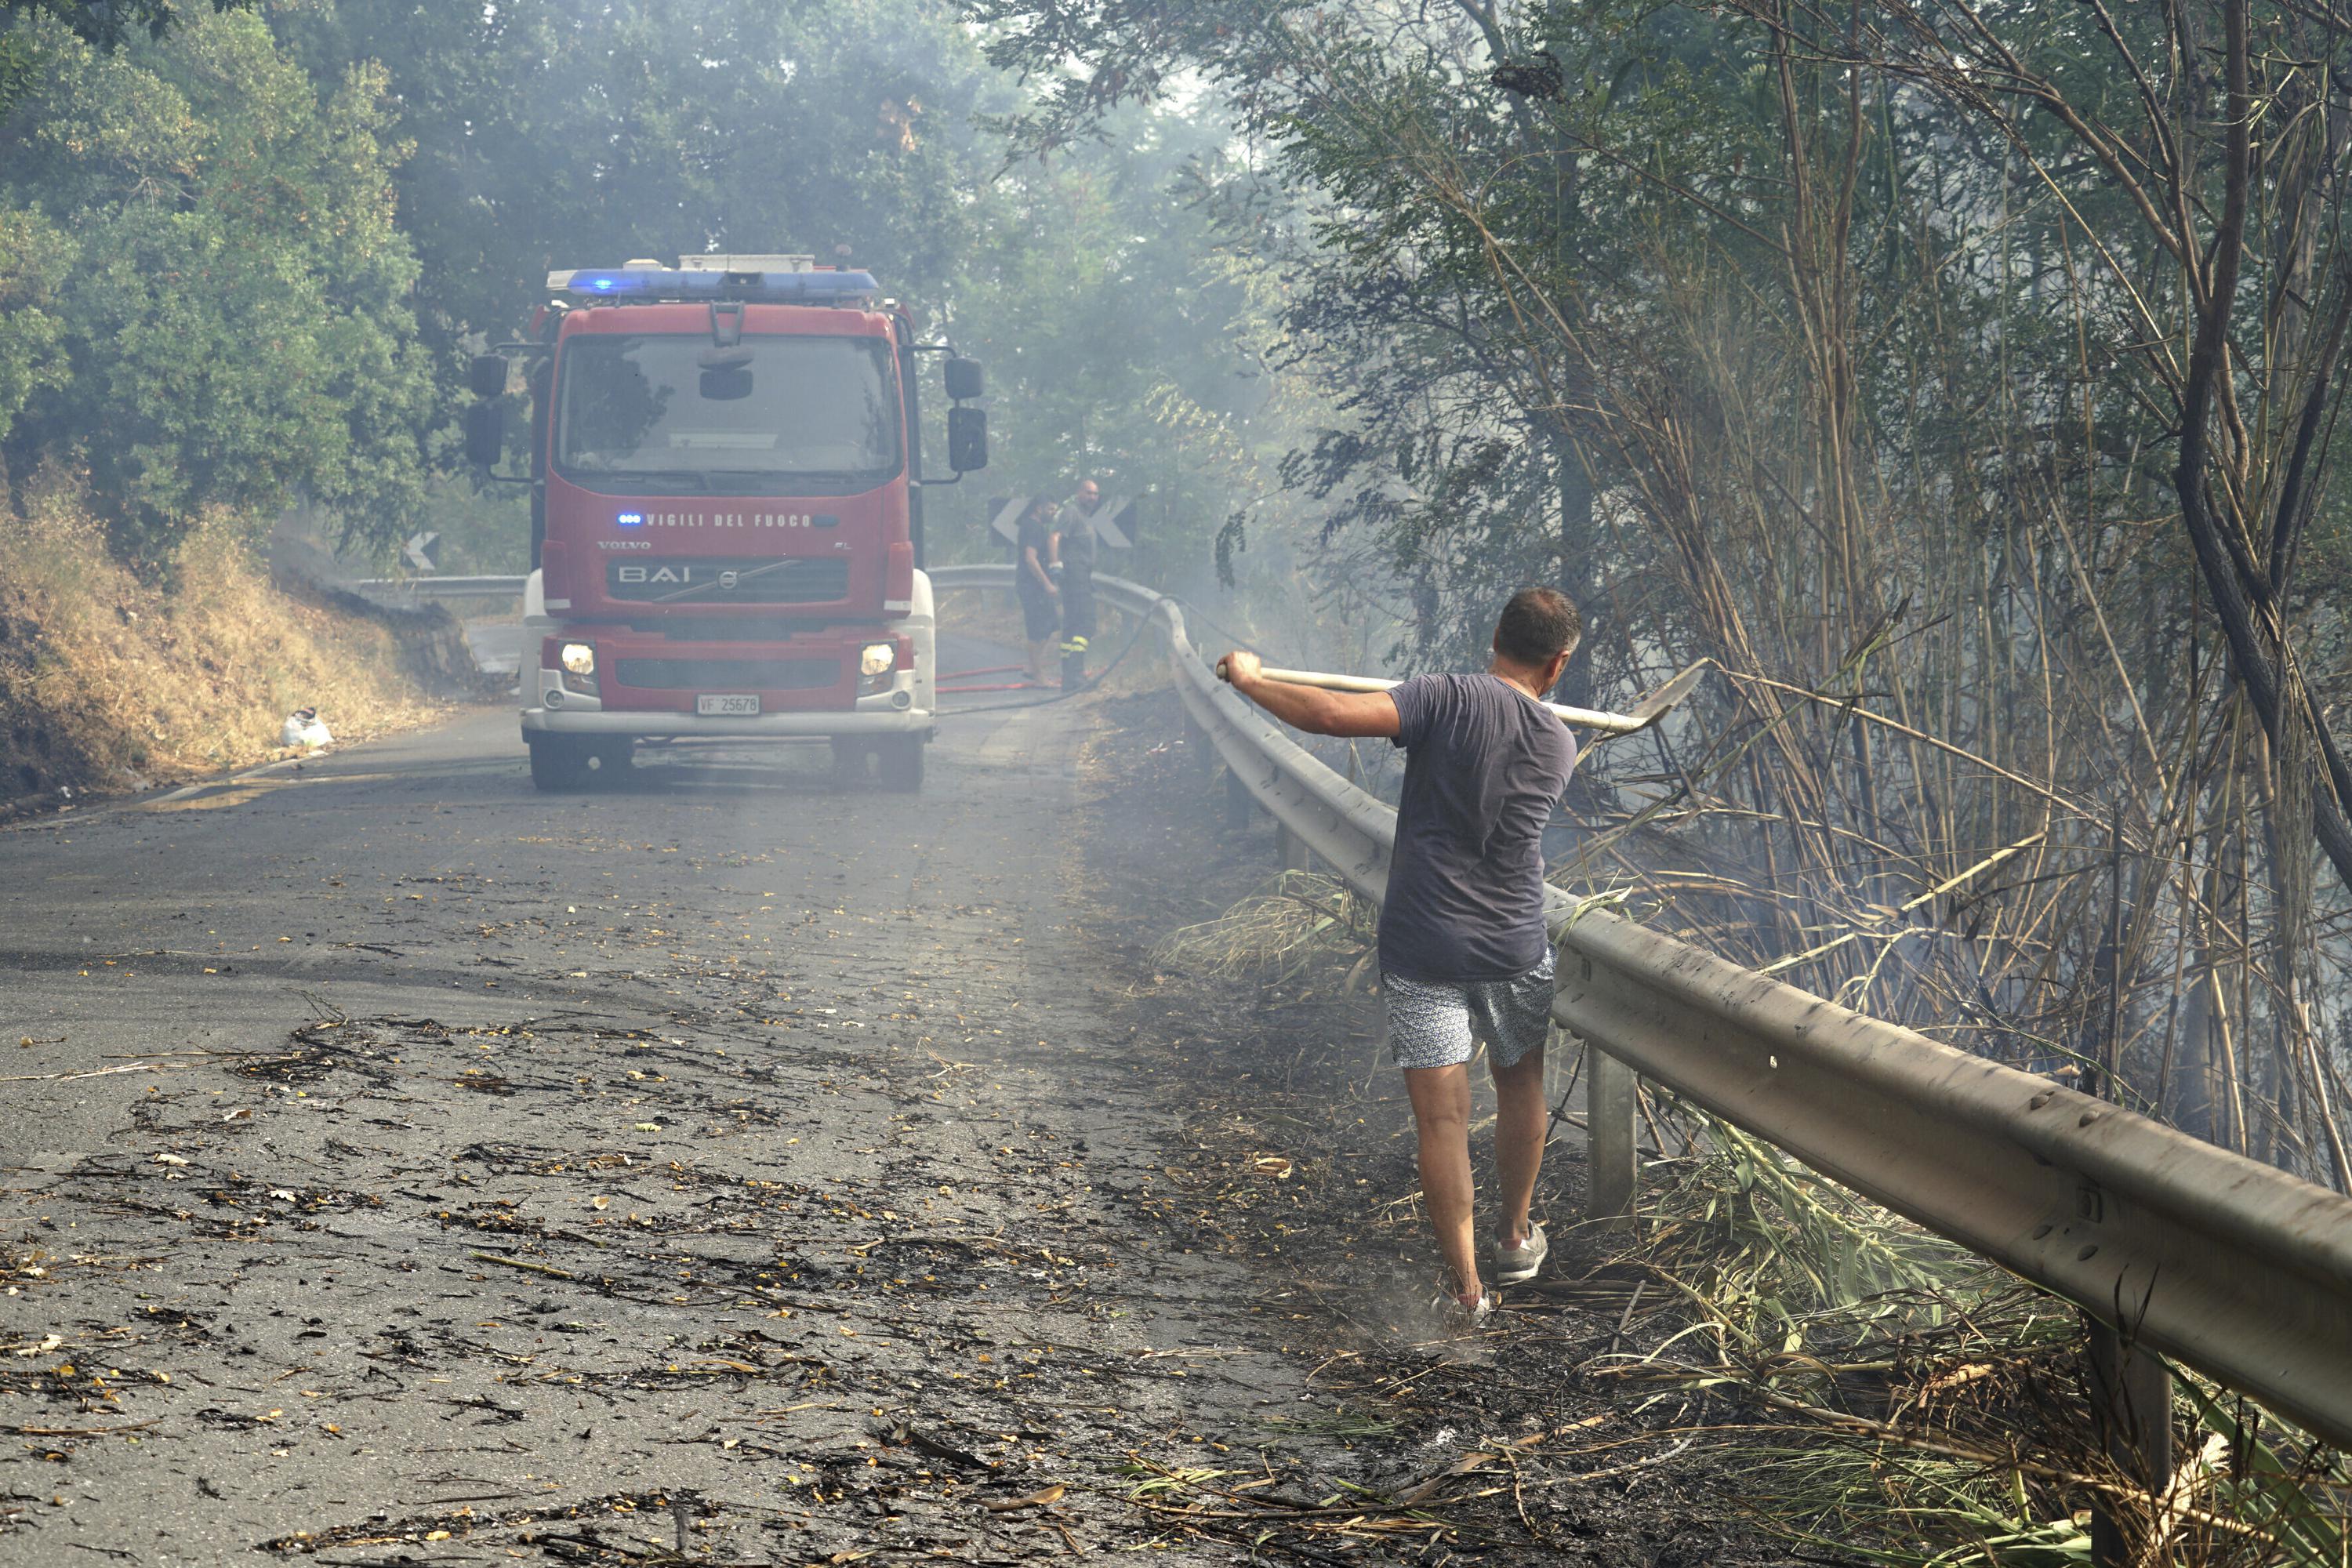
(727, 705)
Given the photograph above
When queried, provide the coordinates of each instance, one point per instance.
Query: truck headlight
(877, 658)
(578, 674)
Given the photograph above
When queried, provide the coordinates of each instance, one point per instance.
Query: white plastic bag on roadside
(303, 729)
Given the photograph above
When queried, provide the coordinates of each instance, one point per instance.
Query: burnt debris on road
(672, 1183)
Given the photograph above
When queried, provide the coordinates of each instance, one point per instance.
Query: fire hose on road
(2178, 1246)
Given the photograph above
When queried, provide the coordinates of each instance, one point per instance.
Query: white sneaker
(1515, 1265)
(1455, 1313)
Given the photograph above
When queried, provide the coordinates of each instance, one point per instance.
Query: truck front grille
(768, 626)
(706, 580)
(728, 673)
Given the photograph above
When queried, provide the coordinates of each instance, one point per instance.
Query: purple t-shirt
(1485, 764)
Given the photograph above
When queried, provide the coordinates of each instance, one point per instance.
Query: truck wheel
(901, 762)
(606, 766)
(849, 764)
(557, 763)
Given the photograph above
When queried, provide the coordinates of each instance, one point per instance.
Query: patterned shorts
(1435, 1024)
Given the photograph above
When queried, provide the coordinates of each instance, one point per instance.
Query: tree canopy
(209, 288)
(547, 134)
(104, 23)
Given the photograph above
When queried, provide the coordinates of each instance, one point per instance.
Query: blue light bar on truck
(650, 285)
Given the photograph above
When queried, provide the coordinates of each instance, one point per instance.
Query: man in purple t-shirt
(1463, 953)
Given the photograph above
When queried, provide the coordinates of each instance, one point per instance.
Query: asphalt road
(405, 1166)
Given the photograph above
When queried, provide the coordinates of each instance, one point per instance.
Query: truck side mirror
(967, 439)
(964, 379)
(488, 375)
(485, 434)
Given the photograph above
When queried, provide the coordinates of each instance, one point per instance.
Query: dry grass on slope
(108, 683)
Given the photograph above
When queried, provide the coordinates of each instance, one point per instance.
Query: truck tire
(557, 763)
(609, 764)
(900, 760)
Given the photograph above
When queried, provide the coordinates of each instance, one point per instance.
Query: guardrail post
(1196, 742)
(1291, 848)
(2130, 1387)
(1611, 1172)
(2131, 1402)
(1237, 800)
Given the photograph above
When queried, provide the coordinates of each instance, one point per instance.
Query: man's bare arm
(1350, 714)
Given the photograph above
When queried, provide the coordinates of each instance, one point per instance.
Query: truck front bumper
(865, 718)
(646, 688)
(896, 710)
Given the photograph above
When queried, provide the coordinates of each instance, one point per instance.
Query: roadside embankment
(110, 682)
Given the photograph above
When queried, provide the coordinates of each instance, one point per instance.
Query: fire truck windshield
(666, 414)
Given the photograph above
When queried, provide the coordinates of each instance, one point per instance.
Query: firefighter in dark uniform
(1077, 551)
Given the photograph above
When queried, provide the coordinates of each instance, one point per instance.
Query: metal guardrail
(2236, 1268)
(443, 587)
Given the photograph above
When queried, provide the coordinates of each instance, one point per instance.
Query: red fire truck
(726, 513)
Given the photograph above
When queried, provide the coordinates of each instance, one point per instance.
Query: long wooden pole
(1648, 711)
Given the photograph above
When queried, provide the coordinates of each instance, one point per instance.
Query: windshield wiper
(622, 475)
(774, 479)
(730, 482)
